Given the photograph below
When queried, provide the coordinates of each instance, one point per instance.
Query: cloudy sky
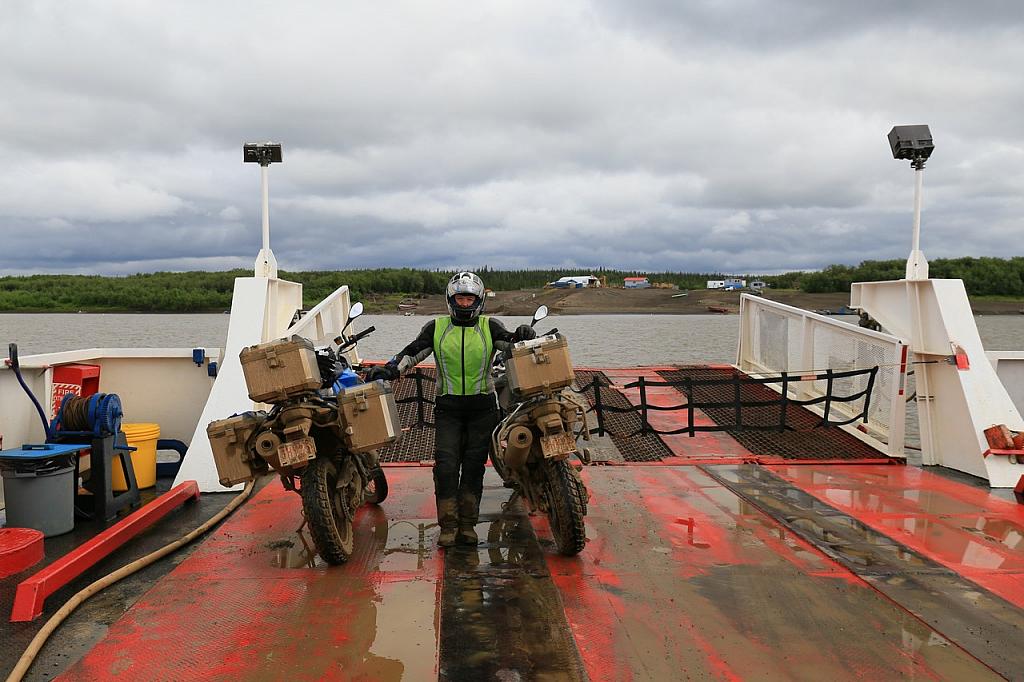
(719, 135)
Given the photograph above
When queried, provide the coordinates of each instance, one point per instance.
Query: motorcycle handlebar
(366, 332)
(345, 344)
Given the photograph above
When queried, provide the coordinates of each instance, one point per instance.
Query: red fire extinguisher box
(80, 380)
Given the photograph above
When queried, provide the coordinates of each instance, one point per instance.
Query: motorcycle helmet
(465, 283)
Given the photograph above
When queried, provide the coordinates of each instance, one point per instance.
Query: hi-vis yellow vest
(463, 356)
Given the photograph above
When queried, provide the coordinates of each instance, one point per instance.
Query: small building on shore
(734, 283)
(575, 282)
(636, 283)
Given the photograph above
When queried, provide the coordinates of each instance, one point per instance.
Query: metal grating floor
(801, 440)
(417, 442)
(636, 448)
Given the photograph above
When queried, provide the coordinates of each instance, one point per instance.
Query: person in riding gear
(465, 412)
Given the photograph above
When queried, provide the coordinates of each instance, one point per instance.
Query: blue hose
(12, 353)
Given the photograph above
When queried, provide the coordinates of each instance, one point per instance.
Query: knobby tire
(329, 524)
(567, 505)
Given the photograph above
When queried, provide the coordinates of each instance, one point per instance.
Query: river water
(595, 340)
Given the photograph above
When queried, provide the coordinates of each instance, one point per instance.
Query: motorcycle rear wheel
(567, 505)
(327, 492)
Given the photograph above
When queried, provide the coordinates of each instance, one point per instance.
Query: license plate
(296, 452)
(557, 445)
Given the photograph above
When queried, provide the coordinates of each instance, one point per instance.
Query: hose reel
(98, 415)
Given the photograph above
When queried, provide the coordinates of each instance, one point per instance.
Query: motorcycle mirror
(355, 311)
(539, 315)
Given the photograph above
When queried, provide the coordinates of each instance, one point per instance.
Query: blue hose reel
(97, 415)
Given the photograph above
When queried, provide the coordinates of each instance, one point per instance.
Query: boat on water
(759, 520)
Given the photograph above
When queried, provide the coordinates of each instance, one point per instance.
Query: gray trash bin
(43, 499)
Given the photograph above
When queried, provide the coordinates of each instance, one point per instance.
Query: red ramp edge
(33, 591)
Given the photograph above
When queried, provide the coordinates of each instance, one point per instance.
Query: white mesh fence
(777, 338)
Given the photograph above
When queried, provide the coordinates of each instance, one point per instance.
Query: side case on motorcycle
(229, 440)
(369, 416)
(279, 369)
(540, 365)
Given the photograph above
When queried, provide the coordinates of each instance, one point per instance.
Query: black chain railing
(687, 386)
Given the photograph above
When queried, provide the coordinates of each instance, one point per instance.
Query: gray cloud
(657, 135)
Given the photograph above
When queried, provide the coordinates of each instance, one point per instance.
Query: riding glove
(525, 332)
(387, 372)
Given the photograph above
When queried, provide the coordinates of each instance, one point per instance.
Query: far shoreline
(592, 301)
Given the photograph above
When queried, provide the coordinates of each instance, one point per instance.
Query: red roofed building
(636, 282)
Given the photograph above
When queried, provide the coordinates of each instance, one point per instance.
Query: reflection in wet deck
(682, 578)
(247, 604)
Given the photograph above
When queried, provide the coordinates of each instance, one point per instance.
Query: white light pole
(917, 266)
(264, 153)
(914, 144)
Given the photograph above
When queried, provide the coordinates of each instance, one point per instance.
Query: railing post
(597, 405)
(867, 395)
(736, 396)
(785, 401)
(689, 406)
(828, 396)
(643, 406)
(420, 417)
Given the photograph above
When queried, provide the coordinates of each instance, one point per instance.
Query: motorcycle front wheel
(327, 501)
(567, 505)
(377, 488)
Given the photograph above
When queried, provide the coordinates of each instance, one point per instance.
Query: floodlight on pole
(264, 153)
(914, 144)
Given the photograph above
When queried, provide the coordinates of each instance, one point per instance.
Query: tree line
(211, 291)
(981, 276)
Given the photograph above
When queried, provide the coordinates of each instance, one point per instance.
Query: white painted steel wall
(778, 338)
(159, 385)
(323, 323)
(955, 405)
(1009, 367)
(261, 309)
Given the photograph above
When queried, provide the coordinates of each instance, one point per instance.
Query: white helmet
(465, 283)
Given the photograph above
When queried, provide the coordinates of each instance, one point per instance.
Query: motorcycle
(542, 421)
(320, 435)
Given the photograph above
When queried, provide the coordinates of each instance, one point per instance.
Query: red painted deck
(681, 579)
(966, 529)
(230, 611)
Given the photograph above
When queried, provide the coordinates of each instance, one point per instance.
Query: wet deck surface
(683, 577)
(246, 605)
(979, 621)
(967, 529)
(89, 623)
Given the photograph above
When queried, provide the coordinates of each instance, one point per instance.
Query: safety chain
(687, 386)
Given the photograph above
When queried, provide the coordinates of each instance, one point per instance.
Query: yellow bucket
(143, 437)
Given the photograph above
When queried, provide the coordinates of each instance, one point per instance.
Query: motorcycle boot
(469, 513)
(448, 519)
